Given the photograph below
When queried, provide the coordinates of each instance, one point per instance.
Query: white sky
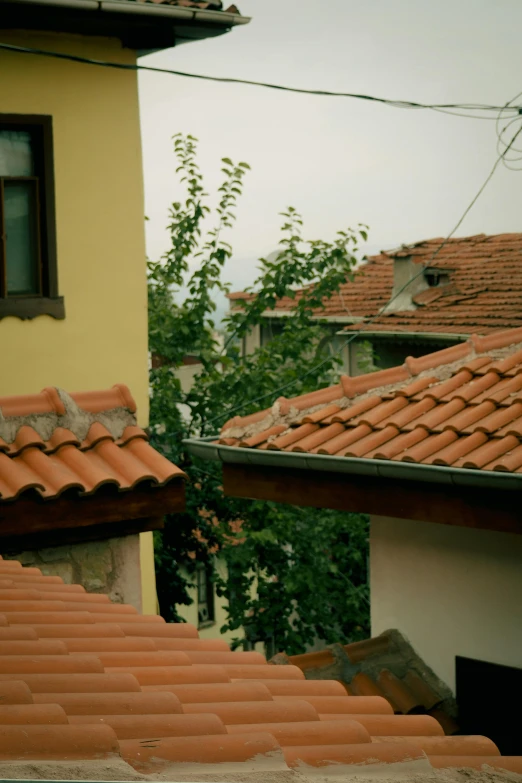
(407, 174)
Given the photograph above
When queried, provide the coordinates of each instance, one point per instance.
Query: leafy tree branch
(293, 574)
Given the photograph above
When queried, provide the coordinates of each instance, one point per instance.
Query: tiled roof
(364, 295)
(385, 666)
(459, 407)
(484, 293)
(52, 442)
(82, 678)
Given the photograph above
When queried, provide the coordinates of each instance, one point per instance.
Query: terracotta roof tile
(427, 696)
(399, 693)
(363, 685)
(386, 669)
(466, 414)
(167, 725)
(76, 689)
(312, 660)
(397, 725)
(316, 732)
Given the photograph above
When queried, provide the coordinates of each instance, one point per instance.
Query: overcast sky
(407, 174)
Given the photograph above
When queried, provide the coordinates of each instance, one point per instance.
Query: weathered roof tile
(483, 292)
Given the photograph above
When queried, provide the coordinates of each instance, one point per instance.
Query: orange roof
(82, 678)
(52, 442)
(364, 295)
(460, 407)
(484, 291)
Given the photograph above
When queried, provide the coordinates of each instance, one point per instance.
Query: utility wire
(448, 108)
(399, 104)
(359, 332)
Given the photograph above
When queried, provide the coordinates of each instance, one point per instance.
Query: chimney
(408, 281)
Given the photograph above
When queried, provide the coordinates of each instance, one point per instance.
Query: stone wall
(111, 566)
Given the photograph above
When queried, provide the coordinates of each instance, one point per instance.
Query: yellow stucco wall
(100, 229)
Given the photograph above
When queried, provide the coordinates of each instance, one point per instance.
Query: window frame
(48, 301)
(204, 572)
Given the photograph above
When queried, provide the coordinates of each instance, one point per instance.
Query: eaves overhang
(143, 26)
(390, 334)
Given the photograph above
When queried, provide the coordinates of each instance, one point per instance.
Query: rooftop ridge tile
(54, 442)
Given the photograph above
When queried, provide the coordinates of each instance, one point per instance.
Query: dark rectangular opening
(28, 264)
(487, 697)
(205, 588)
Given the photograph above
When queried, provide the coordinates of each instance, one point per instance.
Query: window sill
(26, 307)
(207, 624)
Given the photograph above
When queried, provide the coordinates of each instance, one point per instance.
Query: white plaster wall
(450, 590)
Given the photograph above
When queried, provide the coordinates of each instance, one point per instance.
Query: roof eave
(143, 26)
(397, 334)
(208, 449)
(335, 319)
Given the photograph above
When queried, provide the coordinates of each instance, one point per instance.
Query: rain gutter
(145, 9)
(208, 449)
(336, 319)
(442, 336)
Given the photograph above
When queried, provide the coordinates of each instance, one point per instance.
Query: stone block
(52, 554)
(63, 569)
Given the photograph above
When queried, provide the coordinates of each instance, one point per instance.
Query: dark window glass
(21, 237)
(205, 587)
(28, 269)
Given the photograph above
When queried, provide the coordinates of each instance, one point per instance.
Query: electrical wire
(447, 108)
(399, 104)
(359, 332)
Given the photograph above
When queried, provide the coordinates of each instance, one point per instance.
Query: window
(28, 275)
(205, 585)
(436, 278)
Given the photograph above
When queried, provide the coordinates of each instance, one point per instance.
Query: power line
(447, 108)
(359, 332)
(399, 104)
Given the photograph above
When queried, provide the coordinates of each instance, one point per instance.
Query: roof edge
(143, 7)
(208, 449)
(442, 336)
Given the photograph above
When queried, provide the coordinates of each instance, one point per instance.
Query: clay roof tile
(85, 679)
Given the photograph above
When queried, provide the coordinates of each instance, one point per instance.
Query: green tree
(294, 574)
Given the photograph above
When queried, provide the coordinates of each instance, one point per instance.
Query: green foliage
(294, 574)
(311, 576)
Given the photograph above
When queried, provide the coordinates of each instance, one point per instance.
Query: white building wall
(252, 341)
(450, 590)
